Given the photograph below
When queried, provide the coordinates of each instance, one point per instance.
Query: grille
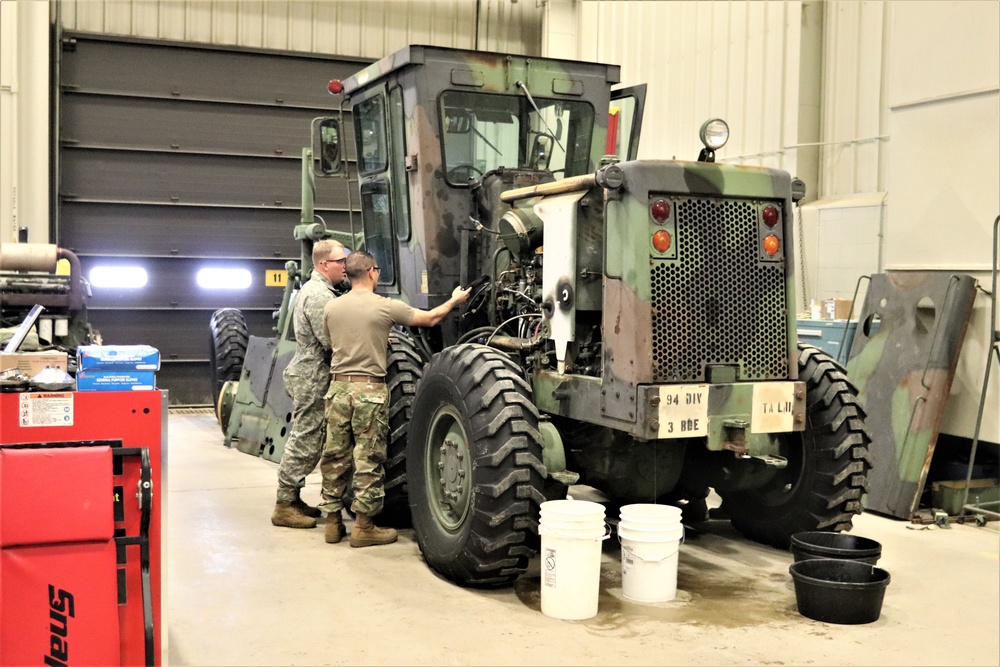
(717, 303)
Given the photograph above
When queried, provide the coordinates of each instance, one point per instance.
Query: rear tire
(404, 368)
(828, 463)
(474, 465)
(228, 348)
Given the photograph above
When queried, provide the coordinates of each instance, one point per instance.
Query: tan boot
(335, 529)
(366, 534)
(308, 510)
(289, 516)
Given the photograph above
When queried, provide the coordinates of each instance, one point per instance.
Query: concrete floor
(242, 592)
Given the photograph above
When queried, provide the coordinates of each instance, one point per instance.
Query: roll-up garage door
(174, 158)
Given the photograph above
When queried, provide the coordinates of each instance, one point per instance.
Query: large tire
(474, 465)
(404, 368)
(828, 463)
(228, 348)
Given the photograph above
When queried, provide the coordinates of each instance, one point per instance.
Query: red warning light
(335, 87)
(660, 211)
(770, 216)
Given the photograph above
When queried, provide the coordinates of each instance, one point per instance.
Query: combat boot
(335, 529)
(308, 510)
(289, 516)
(366, 534)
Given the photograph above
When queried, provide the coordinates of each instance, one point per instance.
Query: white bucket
(665, 515)
(572, 532)
(650, 540)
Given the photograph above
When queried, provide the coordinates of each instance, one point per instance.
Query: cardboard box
(118, 358)
(115, 380)
(32, 363)
(837, 309)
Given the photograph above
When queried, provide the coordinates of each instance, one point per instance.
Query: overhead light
(224, 278)
(123, 277)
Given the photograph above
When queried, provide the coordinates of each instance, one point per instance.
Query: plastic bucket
(646, 513)
(650, 536)
(832, 590)
(820, 544)
(571, 532)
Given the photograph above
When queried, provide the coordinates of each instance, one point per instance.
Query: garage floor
(242, 592)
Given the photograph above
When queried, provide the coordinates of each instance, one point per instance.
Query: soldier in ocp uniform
(307, 379)
(358, 324)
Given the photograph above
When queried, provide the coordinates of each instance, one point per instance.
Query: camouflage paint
(429, 263)
(903, 359)
(260, 421)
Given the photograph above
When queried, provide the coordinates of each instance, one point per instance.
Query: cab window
(375, 212)
(369, 124)
(482, 131)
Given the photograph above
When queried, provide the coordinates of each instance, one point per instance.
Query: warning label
(549, 575)
(46, 409)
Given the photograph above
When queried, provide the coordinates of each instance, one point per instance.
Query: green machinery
(631, 327)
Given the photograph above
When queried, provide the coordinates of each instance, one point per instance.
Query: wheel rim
(449, 469)
(786, 482)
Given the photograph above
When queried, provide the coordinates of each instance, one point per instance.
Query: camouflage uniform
(306, 378)
(358, 423)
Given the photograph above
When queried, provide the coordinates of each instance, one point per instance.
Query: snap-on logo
(61, 609)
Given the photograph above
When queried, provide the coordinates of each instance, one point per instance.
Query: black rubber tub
(819, 544)
(839, 591)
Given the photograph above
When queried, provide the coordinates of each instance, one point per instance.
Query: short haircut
(322, 250)
(359, 263)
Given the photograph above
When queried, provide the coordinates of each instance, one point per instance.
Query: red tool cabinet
(80, 527)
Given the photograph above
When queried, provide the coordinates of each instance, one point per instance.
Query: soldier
(356, 404)
(307, 379)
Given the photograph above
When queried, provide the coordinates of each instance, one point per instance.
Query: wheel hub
(450, 470)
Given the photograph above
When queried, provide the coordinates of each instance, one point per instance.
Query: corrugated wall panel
(369, 29)
(852, 109)
(701, 59)
(178, 157)
(904, 82)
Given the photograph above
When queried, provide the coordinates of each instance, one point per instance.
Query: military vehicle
(632, 324)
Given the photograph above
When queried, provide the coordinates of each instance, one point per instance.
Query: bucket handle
(607, 533)
(656, 560)
(660, 560)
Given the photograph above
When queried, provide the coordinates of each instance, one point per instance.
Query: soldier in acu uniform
(357, 402)
(307, 379)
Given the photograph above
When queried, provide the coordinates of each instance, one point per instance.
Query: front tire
(828, 463)
(227, 348)
(474, 465)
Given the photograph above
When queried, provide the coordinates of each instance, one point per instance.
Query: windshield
(483, 131)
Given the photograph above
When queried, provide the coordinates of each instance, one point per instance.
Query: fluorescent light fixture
(224, 278)
(124, 277)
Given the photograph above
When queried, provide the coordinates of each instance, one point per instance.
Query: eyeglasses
(377, 269)
(342, 261)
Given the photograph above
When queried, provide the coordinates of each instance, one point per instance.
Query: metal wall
(175, 157)
(362, 28)
(733, 59)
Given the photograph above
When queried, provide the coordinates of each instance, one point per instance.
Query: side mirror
(541, 152)
(329, 147)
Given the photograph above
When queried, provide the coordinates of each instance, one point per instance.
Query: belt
(371, 379)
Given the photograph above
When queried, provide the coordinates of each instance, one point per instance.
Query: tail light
(772, 244)
(660, 210)
(770, 215)
(662, 240)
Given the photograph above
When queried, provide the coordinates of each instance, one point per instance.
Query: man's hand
(429, 318)
(460, 295)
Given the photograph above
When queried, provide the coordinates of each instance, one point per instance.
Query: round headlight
(714, 133)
